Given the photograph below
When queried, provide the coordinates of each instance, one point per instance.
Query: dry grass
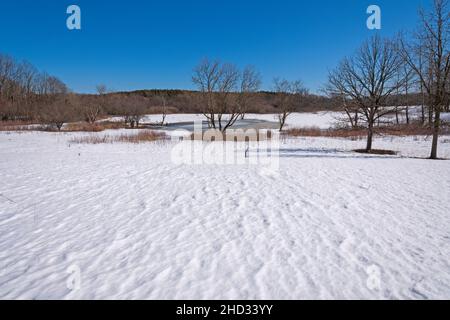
(140, 137)
(83, 127)
(69, 127)
(15, 125)
(332, 133)
(360, 133)
(92, 140)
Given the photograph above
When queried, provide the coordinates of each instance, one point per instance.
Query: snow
(445, 117)
(320, 119)
(329, 224)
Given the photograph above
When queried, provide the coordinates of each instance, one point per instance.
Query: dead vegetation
(143, 136)
(360, 133)
(69, 127)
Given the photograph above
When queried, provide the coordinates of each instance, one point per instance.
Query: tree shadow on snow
(330, 153)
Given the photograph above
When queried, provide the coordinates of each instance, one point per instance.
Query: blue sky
(133, 44)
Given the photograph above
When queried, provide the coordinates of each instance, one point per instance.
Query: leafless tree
(368, 79)
(431, 48)
(406, 80)
(164, 109)
(55, 102)
(59, 110)
(101, 89)
(217, 83)
(206, 78)
(250, 83)
(288, 96)
(94, 108)
(137, 107)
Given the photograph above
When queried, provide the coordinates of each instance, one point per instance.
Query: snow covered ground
(124, 221)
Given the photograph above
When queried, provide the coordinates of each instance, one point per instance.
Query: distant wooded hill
(186, 101)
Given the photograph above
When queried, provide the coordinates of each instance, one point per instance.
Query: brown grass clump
(140, 137)
(92, 140)
(82, 127)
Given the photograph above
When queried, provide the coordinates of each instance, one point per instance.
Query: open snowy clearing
(329, 223)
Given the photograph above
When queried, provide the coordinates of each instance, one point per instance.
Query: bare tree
(431, 48)
(7, 71)
(368, 79)
(164, 108)
(101, 89)
(206, 78)
(249, 84)
(55, 102)
(288, 96)
(59, 110)
(137, 107)
(217, 83)
(92, 107)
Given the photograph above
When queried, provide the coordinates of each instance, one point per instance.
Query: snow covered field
(130, 223)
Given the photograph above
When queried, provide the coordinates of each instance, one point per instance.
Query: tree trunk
(369, 137)
(350, 118)
(430, 116)
(423, 114)
(407, 115)
(423, 102)
(396, 114)
(282, 121)
(437, 124)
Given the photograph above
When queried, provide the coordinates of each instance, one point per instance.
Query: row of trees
(27, 94)
(383, 68)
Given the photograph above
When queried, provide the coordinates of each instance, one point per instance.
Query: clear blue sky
(133, 44)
